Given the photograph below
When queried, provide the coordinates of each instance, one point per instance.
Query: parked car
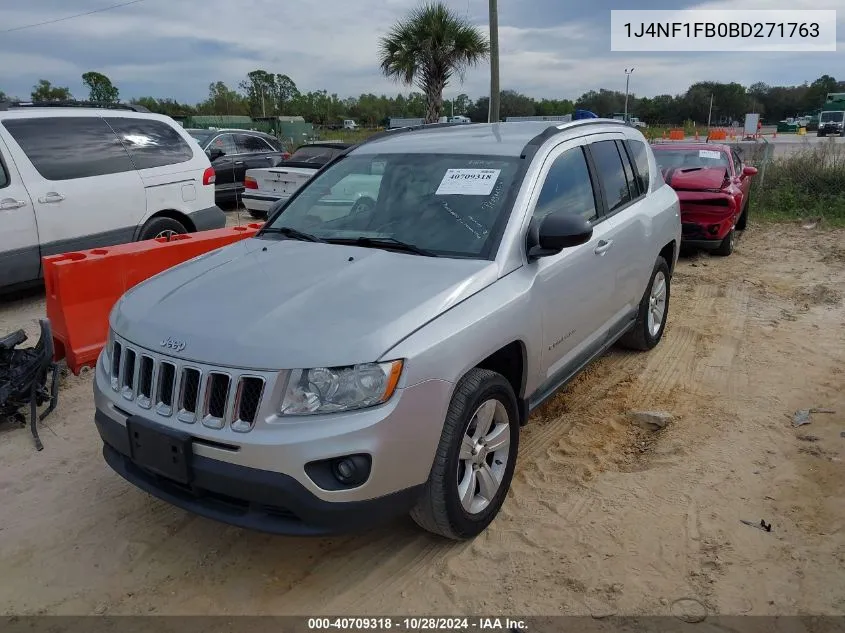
(713, 185)
(364, 363)
(234, 151)
(267, 188)
(75, 178)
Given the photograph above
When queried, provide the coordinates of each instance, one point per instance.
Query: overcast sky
(549, 48)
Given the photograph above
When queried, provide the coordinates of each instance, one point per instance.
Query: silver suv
(374, 350)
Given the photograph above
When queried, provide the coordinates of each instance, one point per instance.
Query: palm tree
(428, 48)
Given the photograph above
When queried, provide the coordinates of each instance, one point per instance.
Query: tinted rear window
(63, 148)
(151, 143)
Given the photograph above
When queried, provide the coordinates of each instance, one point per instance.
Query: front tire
(726, 246)
(475, 459)
(161, 227)
(742, 222)
(653, 312)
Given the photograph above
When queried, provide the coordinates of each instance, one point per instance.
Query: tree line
(263, 93)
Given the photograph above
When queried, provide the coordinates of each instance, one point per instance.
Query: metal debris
(762, 525)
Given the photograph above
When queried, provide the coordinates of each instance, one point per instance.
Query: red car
(713, 186)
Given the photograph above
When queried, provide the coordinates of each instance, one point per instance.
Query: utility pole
(710, 112)
(493, 115)
(627, 84)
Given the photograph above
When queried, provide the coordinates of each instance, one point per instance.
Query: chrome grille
(215, 398)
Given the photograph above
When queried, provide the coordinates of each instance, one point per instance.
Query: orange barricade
(676, 135)
(83, 286)
(717, 135)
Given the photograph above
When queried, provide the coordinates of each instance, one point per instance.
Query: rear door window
(639, 153)
(4, 175)
(65, 148)
(611, 172)
(633, 186)
(249, 144)
(151, 143)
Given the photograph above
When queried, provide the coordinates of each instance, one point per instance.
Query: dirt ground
(603, 517)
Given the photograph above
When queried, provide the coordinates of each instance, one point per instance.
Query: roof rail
(72, 103)
(534, 144)
(410, 128)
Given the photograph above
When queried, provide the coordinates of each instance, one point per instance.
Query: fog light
(352, 470)
(713, 228)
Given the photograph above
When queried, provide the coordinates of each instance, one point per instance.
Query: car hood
(697, 179)
(266, 304)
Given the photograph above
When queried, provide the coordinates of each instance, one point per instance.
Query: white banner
(707, 30)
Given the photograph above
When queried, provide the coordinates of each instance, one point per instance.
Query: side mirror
(214, 153)
(551, 234)
(749, 171)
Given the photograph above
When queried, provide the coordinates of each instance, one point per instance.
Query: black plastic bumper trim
(251, 498)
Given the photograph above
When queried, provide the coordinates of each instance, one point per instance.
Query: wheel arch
(172, 214)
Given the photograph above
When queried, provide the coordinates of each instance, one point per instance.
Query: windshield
(448, 205)
(201, 136)
(678, 158)
(831, 116)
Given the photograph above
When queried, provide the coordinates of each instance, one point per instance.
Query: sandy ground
(603, 517)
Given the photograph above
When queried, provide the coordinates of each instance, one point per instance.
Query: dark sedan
(232, 152)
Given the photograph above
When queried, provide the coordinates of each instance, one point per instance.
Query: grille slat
(216, 398)
(165, 388)
(247, 401)
(127, 374)
(145, 382)
(189, 394)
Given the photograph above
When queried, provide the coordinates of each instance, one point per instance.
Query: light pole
(627, 83)
(493, 116)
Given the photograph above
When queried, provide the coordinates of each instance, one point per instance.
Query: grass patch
(806, 184)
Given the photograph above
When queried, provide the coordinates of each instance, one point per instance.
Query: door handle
(239, 162)
(603, 247)
(11, 203)
(51, 197)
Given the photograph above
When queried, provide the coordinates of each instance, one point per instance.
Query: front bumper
(251, 498)
(259, 203)
(265, 479)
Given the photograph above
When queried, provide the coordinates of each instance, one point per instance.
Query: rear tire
(726, 247)
(459, 501)
(161, 227)
(654, 307)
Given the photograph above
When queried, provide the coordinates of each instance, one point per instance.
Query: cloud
(172, 48)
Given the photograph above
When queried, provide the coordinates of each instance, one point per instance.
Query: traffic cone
(696, 135)
(775, 135)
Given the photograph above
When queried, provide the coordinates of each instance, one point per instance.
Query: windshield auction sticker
(733, 30)
(468, 182)
(709, 153)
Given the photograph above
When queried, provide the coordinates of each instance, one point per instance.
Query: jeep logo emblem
(170, 343)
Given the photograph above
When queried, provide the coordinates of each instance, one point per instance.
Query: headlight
(331, 389)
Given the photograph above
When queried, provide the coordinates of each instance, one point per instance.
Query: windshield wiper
(389, 242)
(292, 233)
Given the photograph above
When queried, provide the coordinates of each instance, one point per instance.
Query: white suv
(74, 178)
